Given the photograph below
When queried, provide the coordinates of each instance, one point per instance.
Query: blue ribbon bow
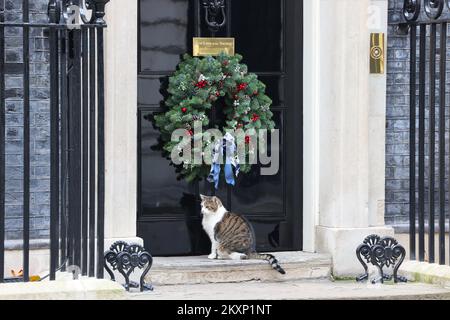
(227, 147)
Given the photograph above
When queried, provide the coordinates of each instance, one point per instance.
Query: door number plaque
(213, 46)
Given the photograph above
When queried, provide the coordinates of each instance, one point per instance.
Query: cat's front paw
(212, 256)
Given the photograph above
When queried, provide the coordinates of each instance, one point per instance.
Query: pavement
(63, 289)
(296, 290)
(314, 289)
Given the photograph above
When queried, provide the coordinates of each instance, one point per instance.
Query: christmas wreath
(197, 86)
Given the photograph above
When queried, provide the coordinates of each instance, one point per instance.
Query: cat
(231, 235)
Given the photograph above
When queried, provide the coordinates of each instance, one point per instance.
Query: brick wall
(39, 117)
(397, 126)
(397, 143)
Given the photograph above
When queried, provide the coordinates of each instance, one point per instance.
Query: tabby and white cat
(232, 236)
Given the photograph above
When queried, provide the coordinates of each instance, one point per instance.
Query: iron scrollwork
(125, 258)
(381, 252)
(411, 10)
(88, 11)
(434, 8)
(213, 9)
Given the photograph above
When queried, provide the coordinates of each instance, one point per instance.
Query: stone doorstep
(201, 270)
(84, 289)
(176, 271)
(431, 273)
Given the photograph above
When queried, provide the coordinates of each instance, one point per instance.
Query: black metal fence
(77, 103)
(426, 23)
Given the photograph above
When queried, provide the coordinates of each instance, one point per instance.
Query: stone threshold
(431, 273)
(84, 289)
(201, 270)
(403, 228)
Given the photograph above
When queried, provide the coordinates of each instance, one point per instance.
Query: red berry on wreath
(184, 110)
(217, 94)
(255, 117)
(225, 63)
(191, 133)
(242, 86)
(247, 139)
(255, 93)
(201, 84)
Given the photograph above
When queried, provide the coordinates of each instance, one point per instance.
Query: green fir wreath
(200, 83)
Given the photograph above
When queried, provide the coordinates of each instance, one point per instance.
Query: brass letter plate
(377, 53)
(212, 46)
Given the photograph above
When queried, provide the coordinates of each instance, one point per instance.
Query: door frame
(295, 48)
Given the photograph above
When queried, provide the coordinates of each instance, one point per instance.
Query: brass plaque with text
(213, 46)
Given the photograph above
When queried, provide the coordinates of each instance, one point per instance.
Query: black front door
(269, 36)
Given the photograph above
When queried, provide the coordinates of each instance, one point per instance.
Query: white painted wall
(377, 22)
(311, 103)
(121, 118)
(344, 129)
(343, 113)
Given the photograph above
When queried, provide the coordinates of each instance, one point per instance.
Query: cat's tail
(269, 258)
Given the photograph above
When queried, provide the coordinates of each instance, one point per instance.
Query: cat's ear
(217, 200)
(203, 197)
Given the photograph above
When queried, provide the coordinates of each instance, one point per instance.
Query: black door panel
(258, 26)
(164, 33)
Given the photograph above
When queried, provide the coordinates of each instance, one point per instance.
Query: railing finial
(53, 11)
(99, 10)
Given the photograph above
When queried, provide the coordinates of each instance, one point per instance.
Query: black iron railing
(426, 22)
(77, 105)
